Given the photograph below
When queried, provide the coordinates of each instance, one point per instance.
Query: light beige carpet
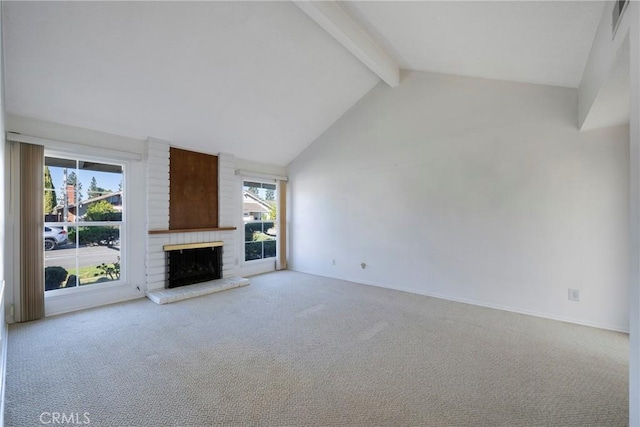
(295, 349)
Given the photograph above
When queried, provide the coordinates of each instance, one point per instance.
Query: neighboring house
(78, 210)
(253, 207)
(114, 199)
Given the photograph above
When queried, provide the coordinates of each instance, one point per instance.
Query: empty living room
(328, 213)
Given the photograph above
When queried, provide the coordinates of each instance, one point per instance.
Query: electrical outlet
(333, 262)
(574, 294)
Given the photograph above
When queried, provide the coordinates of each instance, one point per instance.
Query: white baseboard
(534, 313)
(531, 313)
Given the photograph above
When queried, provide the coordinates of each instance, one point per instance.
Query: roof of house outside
(89, 201)
(253, 203)
(101, 197)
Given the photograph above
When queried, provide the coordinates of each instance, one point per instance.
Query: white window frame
(261, 180)
(115, 160)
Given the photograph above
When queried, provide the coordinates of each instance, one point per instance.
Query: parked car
(54, 236)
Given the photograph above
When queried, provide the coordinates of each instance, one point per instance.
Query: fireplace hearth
(193, 263)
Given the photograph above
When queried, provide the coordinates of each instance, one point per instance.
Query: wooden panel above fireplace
(193, 190)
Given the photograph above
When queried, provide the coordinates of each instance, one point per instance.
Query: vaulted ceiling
(544, 42)
(262, 80)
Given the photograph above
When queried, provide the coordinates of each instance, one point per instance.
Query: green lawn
(87, 275)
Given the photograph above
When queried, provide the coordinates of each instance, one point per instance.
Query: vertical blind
(281, 263)
(31, 232)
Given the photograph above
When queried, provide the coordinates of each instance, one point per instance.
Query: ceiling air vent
(618, 9)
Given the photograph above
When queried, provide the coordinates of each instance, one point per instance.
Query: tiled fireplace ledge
(166, 296)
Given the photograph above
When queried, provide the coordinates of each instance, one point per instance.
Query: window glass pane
(98, 235)
(59, 256)
(60, 190)
(98, 254)
(252, 250)
(269, 249)
(55, 237)
(258, 204)
(252, 184)
(268, 230)
(102, 199)
(251, 229)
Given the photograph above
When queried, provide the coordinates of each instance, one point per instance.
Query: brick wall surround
(158, 214)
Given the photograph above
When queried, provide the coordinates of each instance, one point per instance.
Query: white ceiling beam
(334, 20)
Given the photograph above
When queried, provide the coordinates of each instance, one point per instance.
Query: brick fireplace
(158, 216)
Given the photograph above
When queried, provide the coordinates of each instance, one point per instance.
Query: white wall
(3, 323)
(72, 134)
(633, 14)
(3, 176)
(602, 58)
(605, 55)
(472, 190)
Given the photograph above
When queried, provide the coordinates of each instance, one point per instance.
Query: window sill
(259, 261)
(62, 292)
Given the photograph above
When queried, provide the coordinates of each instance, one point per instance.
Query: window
(83, 215)
(259, 213)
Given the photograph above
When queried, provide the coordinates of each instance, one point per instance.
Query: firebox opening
(190, 264)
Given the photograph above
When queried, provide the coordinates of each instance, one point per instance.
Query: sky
(106, 180)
